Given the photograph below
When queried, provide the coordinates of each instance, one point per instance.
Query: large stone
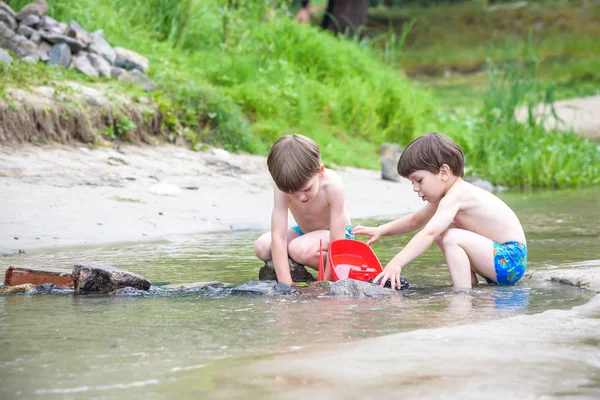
(38, 276)
(297, 271)
(136, 77)
(130, 60)
(60, 54)
(268, 288)
(54, 38)
(77, 32)
(100, 64)
(6, 8)
(39, 8)
(8, 20)
(22, 46)
(26, 31)
(105, 279)
(390, 154)
(31, 21)
(353, 288)
(100, 46)
(84, 65)
(5, 57)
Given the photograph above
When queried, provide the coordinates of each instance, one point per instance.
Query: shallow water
(107, 347)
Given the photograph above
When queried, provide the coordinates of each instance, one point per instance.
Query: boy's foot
(298, 272)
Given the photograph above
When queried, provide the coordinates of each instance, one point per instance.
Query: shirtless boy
(315, 197)
(477, 232)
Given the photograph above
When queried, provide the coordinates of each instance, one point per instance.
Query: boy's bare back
(483, 213)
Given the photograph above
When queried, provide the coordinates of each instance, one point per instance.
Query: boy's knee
(262, 250)
(298, 253)
(447, 238)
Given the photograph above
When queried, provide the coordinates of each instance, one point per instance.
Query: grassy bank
(241, 77)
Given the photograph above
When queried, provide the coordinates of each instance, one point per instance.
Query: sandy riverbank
(56, 196)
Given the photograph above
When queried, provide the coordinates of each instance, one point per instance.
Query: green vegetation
(242, 76)
(126, 199)
(449, 44)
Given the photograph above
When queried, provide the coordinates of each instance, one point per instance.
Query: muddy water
(156, 347)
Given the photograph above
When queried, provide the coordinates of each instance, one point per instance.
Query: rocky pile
(34, 36)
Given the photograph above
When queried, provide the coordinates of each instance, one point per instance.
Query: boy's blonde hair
(429, 152)
(293, 160)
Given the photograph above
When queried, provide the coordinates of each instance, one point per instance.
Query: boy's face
(429, 186)
(310, 189)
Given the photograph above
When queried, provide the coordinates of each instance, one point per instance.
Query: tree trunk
(345, 16)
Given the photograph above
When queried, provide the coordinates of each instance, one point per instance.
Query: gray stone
(84, 65)
(31, 58)
(268, 288)
(297, 271)
(39, 8)
(22, 46)
(136, 77)
(8, 20)
(195, 286)
(75, 45)
(105, 279)
(77, 32)
(585, 275)
(100, 46)
(5, 57)
(31, 20)
(480, 183)
(44, 288)
(130, 60)
(115, 72)
(48, 24)
(36, 37)
(26, 31)
(6, 8)
(100, 64)
(60, 54)
(353, 288)
(44, 50)
(390, 154)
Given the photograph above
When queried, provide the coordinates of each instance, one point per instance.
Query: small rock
(130, 60)
(138, 78)
(100, 64)
(31, 21)
(297, 271)
(390, 154)
(25, 288)
(268, 288)
(8, 20)
(6, 8)
(84, 65)
(39, 8)
(5, 57)
(26, 31)
(60, 54)
(100, 46)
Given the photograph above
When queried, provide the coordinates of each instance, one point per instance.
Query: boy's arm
(279, 227)
(406, 224)
(337, 212)
(446, 211)
(410, 222)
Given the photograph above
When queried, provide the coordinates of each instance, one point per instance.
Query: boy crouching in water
(315, 197)
(477, 232)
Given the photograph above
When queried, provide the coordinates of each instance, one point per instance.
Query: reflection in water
(109, 346)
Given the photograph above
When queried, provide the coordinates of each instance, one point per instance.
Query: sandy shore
(55, 196)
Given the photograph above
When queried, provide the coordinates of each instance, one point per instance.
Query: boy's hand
(391, 272)
(373, 233)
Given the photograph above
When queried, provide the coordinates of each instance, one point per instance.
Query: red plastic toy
(352, 259)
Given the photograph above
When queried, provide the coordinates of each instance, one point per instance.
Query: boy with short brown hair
(477, 232)
(315, 197)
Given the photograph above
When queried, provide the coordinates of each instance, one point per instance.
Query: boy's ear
(321, 170)
(445, 171)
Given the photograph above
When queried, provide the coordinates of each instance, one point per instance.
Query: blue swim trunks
(348, 234)
(510, 262)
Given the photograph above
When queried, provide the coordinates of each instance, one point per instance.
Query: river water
(62, 346)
